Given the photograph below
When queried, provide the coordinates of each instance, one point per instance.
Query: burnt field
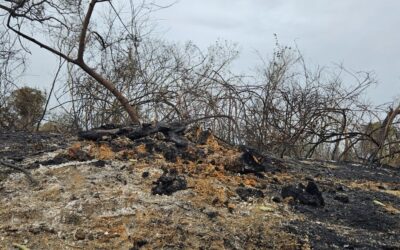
(167, 190)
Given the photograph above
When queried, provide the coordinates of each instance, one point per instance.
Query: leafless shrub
(12, 65)
(287, 108)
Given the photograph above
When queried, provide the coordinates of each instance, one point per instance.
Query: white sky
(361, 34)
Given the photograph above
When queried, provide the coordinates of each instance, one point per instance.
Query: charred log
(173, 132)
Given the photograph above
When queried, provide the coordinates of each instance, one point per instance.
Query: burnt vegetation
(129, 96)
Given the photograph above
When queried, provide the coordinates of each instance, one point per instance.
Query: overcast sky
(361, 34)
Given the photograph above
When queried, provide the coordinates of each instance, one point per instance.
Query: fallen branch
(26, 172)
(173, 131)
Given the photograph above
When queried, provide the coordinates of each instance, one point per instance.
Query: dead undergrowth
(106, 195)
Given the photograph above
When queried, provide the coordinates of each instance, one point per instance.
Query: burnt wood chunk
(309, 195)
(173, 132)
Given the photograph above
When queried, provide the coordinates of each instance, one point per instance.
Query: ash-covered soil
(18, 145)
(151, 194)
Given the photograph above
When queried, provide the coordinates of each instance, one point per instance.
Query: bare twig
(26, 172)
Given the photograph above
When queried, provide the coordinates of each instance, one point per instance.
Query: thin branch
(85, 25)
(26, 172)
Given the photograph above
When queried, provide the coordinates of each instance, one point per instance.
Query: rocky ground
(152, 194)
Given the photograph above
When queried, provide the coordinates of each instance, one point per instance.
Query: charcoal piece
(342, 198)
(253, 162)
(145, 174)
(247, 193)
(99, 163)
(312, 188)
(193, 154)
(139, 244)
(170, 155)
(211, 214)
(251, 165)
(340, 188)
(276, 199)
(59, 159)
(309, 195)
(169, 183)
(168, 150)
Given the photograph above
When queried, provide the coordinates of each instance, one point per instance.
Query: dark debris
(309, 195)
(247, 194)
(169, 183)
